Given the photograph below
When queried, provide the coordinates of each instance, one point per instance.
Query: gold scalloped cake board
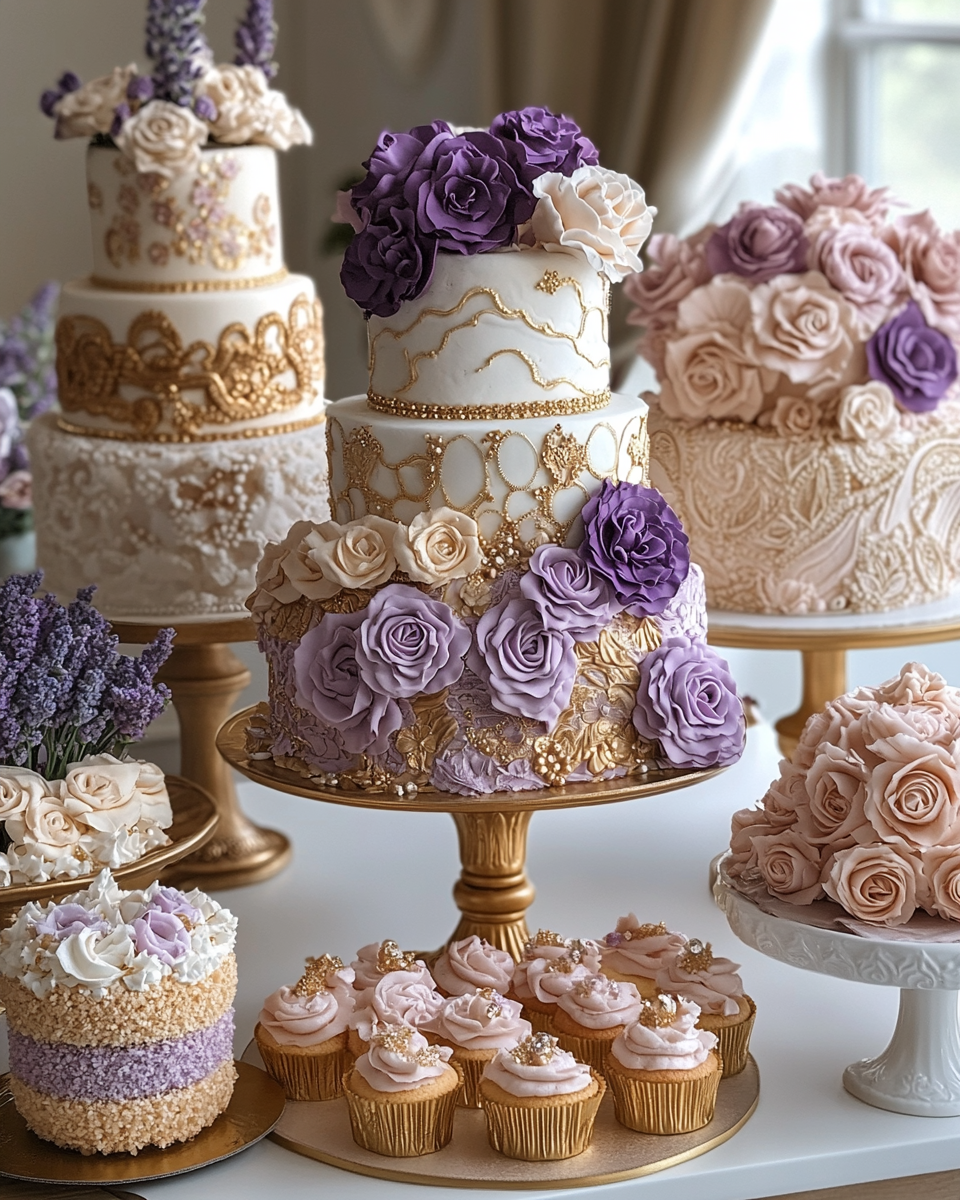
(321, 1130)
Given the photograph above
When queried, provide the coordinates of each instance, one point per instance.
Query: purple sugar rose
(529, 669)
(466, 192)
(634, 539)
(758, 243)
(161, 935)
(918, 363)
(172, 900)
(388, 262)
(545, 141)
(328, 682)
(569, 593)
(687, 701)
(410, 644)
(389, 166)
(68, 919)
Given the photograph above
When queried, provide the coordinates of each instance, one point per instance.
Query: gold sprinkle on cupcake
(534, 1051)
(314, 978)
(391, 958)
(645, 931)
(659, 1012)
(696, 957)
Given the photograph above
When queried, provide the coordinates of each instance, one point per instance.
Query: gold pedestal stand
(493, 892)
(205, 678)
(823, 642)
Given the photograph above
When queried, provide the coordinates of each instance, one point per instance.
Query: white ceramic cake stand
(823, 640)
(919, 1072)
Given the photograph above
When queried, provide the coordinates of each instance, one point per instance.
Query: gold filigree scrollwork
(515, 411)
(274, 369)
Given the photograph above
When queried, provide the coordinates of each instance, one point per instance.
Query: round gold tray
(255, 1108)
(321, 1130)
(194, 820)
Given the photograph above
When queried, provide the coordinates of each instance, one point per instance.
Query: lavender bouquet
(70, 704)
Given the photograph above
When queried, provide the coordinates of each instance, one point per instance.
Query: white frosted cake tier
(214, 227)
(168, 532)
(177, 366)
(814, 523)
(536, 473)
(511, 333)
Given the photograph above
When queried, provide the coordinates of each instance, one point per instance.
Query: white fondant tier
(537, 473)
(521, 327)
(217, 226)
(814, 523)
(171, 366)
(168, 532)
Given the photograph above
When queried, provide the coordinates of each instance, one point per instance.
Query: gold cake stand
(493, 892)
(823, 642)
(194, 820)
(206, 677)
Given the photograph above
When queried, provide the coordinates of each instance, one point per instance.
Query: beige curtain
(657, 84)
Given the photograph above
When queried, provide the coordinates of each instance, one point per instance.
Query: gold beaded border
(191, 285)
(591, 402)
(234, 435)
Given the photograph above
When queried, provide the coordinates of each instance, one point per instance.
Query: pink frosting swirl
(596, 1002)
(400, 1059)
(716, 987)
(635, 949)
(473, 963)
(546, 979)
(306, 1020)
(679, 1046)
(399, 998)
(366, 967)
(481, 1022)
(557, 1077)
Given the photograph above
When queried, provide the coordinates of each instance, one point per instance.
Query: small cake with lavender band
(120, 1018)
(638, 953)
(401, 1094)
(663, 1071)
(592, 1015)
(472, 963)
(476, 1025)
(302, 1031)
(714, 985)
(550, 966)
(540, 1103)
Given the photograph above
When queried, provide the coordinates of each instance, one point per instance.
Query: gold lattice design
(246, 375)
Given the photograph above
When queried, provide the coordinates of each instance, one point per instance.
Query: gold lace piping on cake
(500, 308)
(519, 411)
(244, 377)
(229, 435)
(190, 285)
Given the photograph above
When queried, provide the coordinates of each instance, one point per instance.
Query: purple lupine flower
(27, 353)
(177, 47)
(256, 38)
(205, 108)
(140, 88)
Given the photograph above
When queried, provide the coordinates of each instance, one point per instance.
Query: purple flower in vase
(634, 539)
(67, 919)
(387, 262)
(162, 935)
(918, 363)
(569, 593)
(758, 242)
(545, 141)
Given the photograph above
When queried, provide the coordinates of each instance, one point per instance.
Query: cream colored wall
(332, 67)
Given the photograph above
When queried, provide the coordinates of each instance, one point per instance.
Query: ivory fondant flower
(238, 93)
(875, 883)
(867, 413)
(46, 826)
(90, 109)
(103, 795)
(331, 557)
(163, 139)
(790, 866)
(437, 546)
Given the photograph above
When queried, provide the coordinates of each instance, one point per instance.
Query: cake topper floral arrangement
(162, 118)
(70, 705)
(820, 312)
(531, 179)
(867, 811)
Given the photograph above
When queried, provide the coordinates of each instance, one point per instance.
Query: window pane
(936, 11)
(917, 98)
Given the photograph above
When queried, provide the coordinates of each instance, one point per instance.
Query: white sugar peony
(163, 139)
(91, 108)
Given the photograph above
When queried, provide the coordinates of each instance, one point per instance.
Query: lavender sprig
(256, 38)
(28, 353)
(68, 82)
(177, 47)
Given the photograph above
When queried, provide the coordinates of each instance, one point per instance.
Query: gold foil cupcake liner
(592, 1051)
(472, 1070)
(543, 1133)
(733, 1041)
(651, 1106)
(307, 1076)
(402, 1128)
(539, 1021)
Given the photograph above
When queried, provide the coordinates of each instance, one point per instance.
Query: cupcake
(550, 966)
(713, 984)
(401, 1094)
(302, 1031)
(379, 958)
(539, 1102)
(470, 964)
(592, 1015)
(663, 1071)
(475, 1027)
(405, 997)
(637, 953)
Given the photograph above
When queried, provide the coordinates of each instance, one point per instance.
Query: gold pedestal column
(493, 892)
(205, 678)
